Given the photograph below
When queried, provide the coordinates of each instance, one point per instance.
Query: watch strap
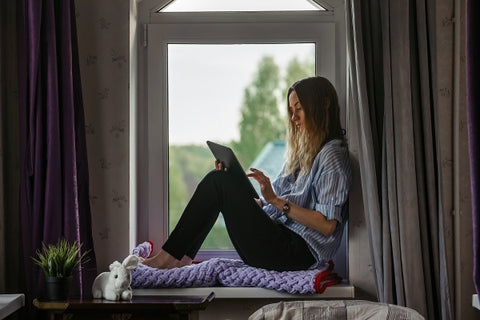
(286, 207)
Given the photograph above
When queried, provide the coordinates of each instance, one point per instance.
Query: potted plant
(58, 262)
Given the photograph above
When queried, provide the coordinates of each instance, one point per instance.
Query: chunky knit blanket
(231, 273)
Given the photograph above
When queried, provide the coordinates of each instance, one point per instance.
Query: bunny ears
(130, 262)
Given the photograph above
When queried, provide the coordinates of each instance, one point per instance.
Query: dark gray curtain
(54, 191)
(391, 79)
(473, 112)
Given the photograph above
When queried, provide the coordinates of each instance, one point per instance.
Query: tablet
(226, 156)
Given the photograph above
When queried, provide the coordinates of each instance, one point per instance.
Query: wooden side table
(140, 307)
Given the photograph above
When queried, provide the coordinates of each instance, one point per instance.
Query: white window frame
(324, 28)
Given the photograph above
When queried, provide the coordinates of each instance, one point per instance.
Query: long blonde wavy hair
(319, 102)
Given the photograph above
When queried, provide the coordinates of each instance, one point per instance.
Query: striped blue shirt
(324, 189)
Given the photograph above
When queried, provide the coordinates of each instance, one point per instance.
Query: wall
(105, 44)
(103, 39)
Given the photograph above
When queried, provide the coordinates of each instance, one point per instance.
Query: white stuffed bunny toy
(115, 285)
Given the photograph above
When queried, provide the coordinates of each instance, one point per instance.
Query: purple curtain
(473, 114)
(54, 190)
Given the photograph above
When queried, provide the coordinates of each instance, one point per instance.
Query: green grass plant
(60, 259)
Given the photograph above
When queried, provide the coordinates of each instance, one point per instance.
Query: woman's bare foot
(186, 261)
(164, 260)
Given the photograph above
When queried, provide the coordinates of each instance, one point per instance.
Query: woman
(299, 220)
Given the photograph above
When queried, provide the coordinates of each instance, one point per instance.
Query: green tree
(260, 121)
(295, 71)
(177, 189)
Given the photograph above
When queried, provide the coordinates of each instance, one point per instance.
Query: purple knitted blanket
(230, 273)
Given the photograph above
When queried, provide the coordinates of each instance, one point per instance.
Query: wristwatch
(286, 207)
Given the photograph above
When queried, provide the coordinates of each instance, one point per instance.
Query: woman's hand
(265, 186)
(310, 218)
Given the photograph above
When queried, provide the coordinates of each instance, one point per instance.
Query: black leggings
(260, 241)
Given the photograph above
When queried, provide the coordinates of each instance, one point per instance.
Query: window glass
(232, 94)
(240, 5)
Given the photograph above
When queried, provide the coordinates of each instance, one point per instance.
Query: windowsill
(339, 291)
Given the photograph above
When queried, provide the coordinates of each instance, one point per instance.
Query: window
(177, 42)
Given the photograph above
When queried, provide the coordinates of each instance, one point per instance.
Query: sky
(226, 5)
(206, 86)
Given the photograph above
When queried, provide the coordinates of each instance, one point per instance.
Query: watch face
(286, 208)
